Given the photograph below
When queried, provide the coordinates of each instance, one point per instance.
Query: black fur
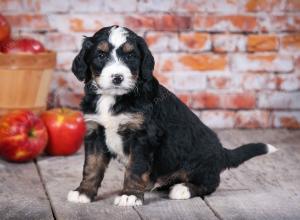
(171, 139)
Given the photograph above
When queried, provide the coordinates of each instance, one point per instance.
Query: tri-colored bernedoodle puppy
(131, 116)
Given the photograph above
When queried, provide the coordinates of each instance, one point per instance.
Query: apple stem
(31, 133)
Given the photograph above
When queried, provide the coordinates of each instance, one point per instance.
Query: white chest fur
(112, 123)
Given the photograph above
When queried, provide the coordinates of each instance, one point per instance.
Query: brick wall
(236, 63)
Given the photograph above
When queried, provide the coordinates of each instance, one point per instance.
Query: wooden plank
(255, 205)
(22, 195)
(158, 206)
(265, 187)
(62, 174)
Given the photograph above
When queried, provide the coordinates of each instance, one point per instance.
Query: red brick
(279, 100)
(203, 61)
(219, 82)
(28, 22)
(167, 22)
(235, 23)
(173, 22)
(19, 6)
(282, 119)
(253, 119)
(191, 5)
(229, 42)
(195, 62)
(11, 5)
(218, 118)
(243, 100)
(207, 6)
(162, 41)
(293, 5)
(205, 100)
(140, 22)
(264, 5)
(60, 42)
(291, 42)
(297, 62)
(262, 43)
(213, 100)
(194, 41)
(278, 23)
(166, 62)
(262, 63)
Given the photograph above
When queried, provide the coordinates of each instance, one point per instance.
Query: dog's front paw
(127, 200)
(75, 196)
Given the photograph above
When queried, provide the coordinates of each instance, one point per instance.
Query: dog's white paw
(125, 200)
(75, 196)
(180, 191)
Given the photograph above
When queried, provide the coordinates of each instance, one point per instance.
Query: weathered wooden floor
(266, 187)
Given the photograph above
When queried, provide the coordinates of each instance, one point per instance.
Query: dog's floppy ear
(147, 63)
(79, 66)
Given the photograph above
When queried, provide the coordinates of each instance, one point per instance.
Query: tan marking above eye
(128, 47)
(103, 46)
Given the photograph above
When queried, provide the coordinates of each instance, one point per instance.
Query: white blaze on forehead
(117, 36)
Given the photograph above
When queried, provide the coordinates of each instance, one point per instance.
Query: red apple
(22, 45)
(4, 29)
(23, 136)
(66, 129)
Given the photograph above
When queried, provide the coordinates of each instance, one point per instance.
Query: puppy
(131, 116)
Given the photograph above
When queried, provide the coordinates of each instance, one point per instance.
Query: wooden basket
(25, 81)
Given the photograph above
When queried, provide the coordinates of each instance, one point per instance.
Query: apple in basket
(4, 29)
(22, 45)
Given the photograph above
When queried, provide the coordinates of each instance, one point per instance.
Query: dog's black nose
(117, 79)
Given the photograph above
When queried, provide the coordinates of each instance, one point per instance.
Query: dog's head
(116, 59)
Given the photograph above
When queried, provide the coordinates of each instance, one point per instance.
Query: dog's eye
(102, 54)
(129, 55)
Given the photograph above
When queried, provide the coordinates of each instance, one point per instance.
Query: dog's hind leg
(194, 188)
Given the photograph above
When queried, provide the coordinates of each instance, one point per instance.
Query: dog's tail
(245, 152)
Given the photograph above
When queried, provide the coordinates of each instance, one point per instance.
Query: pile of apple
(23, 134)
(20, 45)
